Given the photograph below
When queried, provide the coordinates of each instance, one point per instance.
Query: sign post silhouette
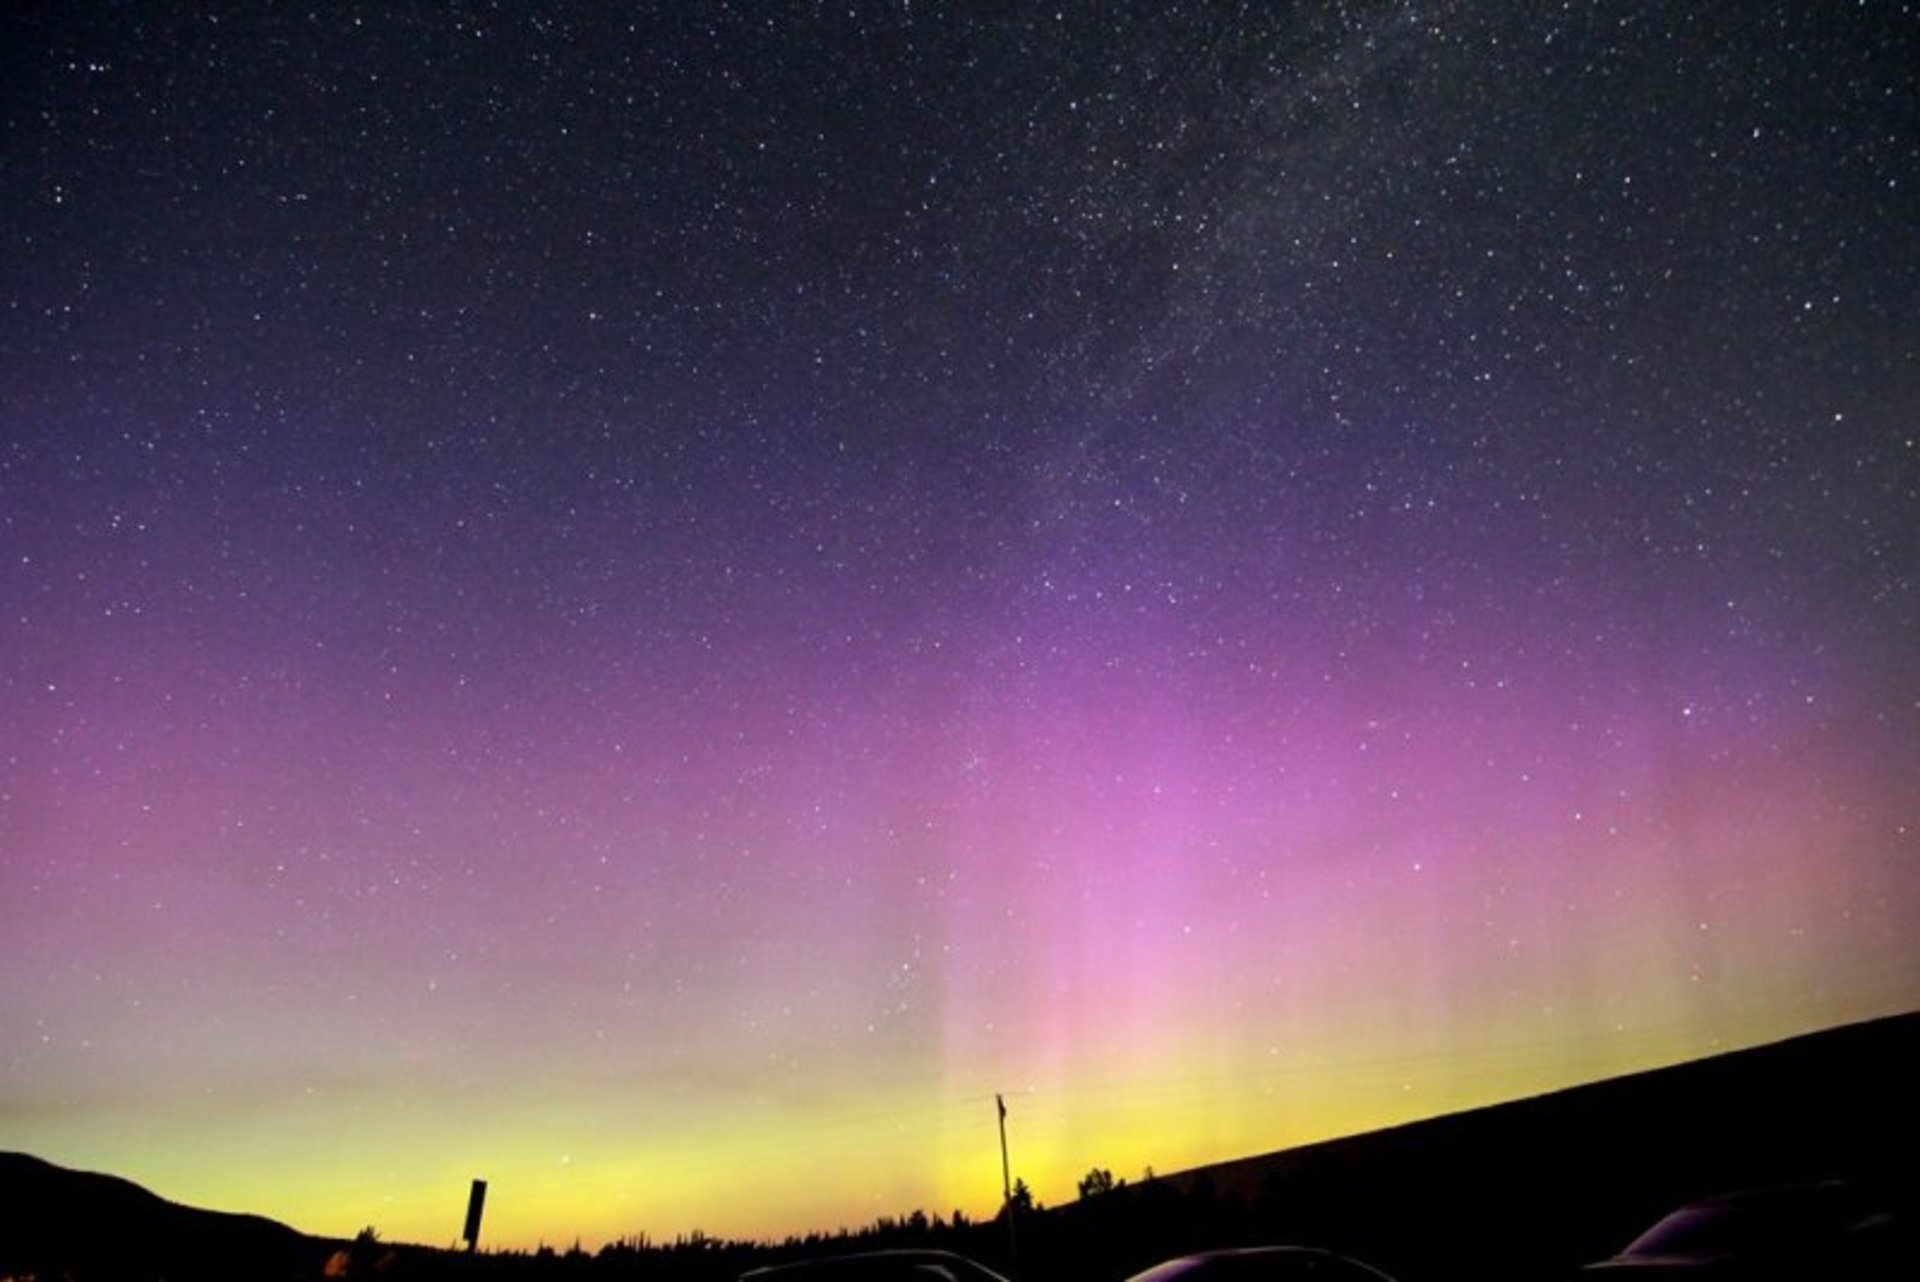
(476, 1202)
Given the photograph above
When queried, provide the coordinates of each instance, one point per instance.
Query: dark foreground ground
(1527, 1190)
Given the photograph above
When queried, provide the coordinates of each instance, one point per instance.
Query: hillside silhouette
(61, 1222)
(1528, 1189)
(1536, 1186)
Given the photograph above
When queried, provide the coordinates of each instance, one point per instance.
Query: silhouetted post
(476, 1202)
(1006, 1187)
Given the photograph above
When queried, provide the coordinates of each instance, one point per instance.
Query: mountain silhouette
(62, 1222)
(1543, 1183)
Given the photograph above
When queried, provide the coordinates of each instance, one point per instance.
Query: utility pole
(1006, 1186)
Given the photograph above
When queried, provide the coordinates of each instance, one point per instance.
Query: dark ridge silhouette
(1765, 1112)
(1534, 1187)
(1524, 1190)
(66, 1223)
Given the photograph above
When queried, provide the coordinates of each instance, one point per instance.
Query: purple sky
(657, 610)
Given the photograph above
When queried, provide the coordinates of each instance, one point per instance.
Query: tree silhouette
(1095, 1182)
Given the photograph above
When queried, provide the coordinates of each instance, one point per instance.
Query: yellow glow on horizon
(557, 1175)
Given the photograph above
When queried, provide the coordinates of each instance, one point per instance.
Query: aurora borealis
(655, 607)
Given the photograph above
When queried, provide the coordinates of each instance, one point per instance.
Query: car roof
(879, 1266)
(1772, 1219)
(1246, 1262)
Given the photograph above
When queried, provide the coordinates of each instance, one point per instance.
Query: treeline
(1113, 1229)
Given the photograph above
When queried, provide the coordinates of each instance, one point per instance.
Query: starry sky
(654, 606)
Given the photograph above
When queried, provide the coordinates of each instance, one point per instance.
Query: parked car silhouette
(1263, 1264)
(1837, 1231)
(878, 1266)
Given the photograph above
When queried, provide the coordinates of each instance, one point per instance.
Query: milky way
(657, 609)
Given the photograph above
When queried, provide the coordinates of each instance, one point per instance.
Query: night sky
(655, 607)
